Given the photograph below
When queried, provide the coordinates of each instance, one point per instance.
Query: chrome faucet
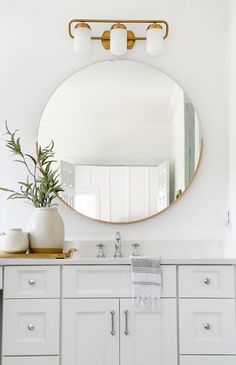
(118, 245)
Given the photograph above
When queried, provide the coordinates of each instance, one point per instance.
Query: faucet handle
(136, 249)
(118, 236)
(101, 253)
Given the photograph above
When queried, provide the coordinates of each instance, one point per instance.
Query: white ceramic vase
(46, 231)
(14, 241)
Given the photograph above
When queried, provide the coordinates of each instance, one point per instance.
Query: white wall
(231, 234)
(36, 56)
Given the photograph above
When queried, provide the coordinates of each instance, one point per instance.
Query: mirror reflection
(126, 137)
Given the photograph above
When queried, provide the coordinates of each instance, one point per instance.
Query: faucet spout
(118, 245)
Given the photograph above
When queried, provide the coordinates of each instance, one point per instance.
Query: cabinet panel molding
(90, 332)
(207, 360)
(148, 337)
(206, 281)
(42, 360)
(32, 282)
(31, 327)
(207, 326)
(109, 281)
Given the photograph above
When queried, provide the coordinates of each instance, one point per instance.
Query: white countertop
(171, 252)
(123, 261)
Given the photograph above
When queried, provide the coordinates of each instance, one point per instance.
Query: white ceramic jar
(14, 241)
(46, 231)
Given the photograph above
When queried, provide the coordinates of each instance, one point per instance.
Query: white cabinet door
(163, 185)
(90, 332)
(68, 182)
(148, 337)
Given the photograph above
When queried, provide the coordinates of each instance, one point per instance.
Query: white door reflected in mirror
(127, 139)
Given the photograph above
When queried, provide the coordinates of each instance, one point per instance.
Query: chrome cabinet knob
(206, 281)
(207, 326)
(32, 282)
(31, 327)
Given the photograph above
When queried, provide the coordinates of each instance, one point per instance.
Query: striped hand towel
(146, 282)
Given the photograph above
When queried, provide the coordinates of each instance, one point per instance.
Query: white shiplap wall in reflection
(120, 193)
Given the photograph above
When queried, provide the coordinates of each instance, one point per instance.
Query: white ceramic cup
(14, 241)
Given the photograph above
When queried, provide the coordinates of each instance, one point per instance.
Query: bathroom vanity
(79, 311)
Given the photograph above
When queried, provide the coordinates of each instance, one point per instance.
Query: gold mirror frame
(148, 217)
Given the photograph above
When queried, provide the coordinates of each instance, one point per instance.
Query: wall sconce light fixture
(118, 39)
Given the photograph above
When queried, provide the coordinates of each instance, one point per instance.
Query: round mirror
(127, 140)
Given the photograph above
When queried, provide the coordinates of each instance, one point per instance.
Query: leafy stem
(42, 182)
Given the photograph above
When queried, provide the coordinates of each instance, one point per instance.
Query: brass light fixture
(118, 39)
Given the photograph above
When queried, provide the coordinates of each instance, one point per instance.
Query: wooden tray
(29, 255)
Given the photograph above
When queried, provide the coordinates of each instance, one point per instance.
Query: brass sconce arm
(131, 36)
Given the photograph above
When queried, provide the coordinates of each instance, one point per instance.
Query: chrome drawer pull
(207, 326)
(32, 282)
(113, 332)
(126, 331)
(206, 281)
(31, 327)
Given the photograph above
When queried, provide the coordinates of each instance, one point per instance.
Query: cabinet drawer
(32, 282)
(207, 326)
(208, 360)
(30, 327)
(43, 360)
(109, 281)
(206, 281)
